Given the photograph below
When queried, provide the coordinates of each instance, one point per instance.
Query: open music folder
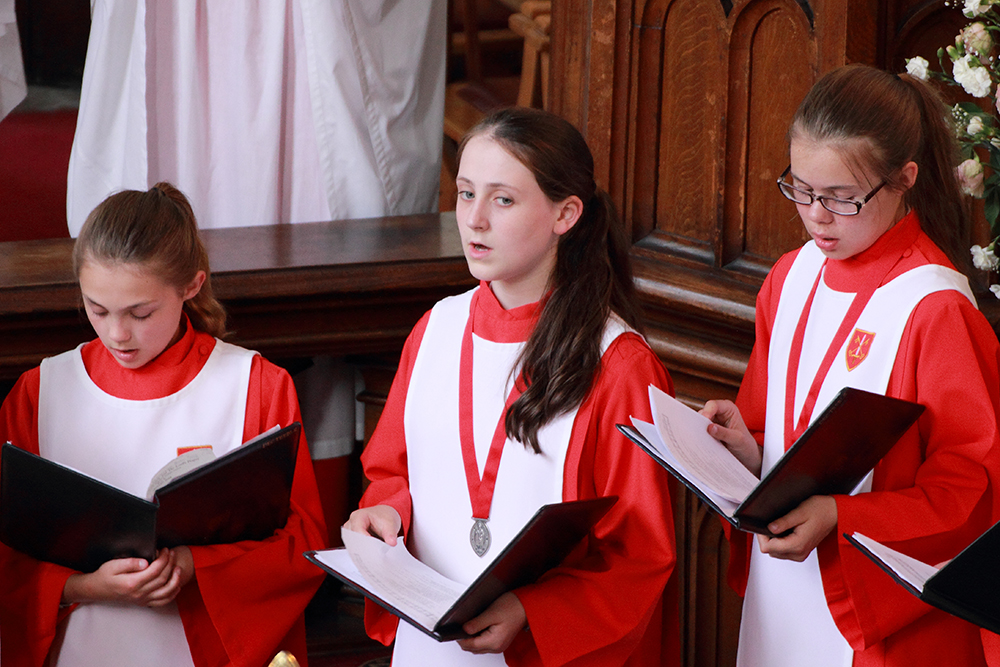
(62, 516)
(438, 606)
(967, 586)
(833, 456)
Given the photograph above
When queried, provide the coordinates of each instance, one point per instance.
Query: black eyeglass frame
(782, 184)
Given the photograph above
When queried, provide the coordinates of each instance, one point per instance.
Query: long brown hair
(592, 276)
(900, 119)
(157, 229)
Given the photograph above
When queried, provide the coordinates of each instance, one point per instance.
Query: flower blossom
(977, 39)
(996, 290)
(984, 259)
(917, 68)
(973, 8)
(975, 79)
(970, 177)
(975, 126)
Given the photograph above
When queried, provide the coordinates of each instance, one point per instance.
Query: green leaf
(971, 107)
(992, 209)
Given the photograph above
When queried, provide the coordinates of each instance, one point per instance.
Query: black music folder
(832, 456)
(544, 542)
(968, 586)
(62, 516)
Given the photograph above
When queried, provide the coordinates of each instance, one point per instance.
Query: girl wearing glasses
(875, 300)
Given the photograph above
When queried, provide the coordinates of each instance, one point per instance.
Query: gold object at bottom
(284, 659)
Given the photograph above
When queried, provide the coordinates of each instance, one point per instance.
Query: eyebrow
(834, 188)
(132, 307)
(492, 186)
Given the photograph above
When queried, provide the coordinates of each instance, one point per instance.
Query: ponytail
(157, 229)
(937, 195)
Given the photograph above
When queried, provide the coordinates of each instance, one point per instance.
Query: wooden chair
(468, 100)
(534, 23)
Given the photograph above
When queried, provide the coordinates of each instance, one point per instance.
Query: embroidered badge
(857, 348)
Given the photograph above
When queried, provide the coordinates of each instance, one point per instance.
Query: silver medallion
(479, 537)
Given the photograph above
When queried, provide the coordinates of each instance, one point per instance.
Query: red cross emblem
(857, 348)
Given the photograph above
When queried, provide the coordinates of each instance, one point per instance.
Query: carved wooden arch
(711, 106)
(772, 65)
(679, 104)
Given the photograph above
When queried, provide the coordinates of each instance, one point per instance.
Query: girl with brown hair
(873, 301)
(155, 382)
(525, 377)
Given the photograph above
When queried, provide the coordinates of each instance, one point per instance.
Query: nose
(118, 330)
(475, 215)
(817, 213)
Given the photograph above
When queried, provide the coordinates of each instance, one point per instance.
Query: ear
(909, 174)
(193, 287)
(570, 210)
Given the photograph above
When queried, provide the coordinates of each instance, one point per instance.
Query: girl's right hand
(128, 580)
(381, 521)
(728, 428)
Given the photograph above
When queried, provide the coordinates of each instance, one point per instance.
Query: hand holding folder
(835, 453)
(438, 606)
(62, 516)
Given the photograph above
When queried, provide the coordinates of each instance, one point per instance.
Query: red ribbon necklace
(480, 490)
(880, 269)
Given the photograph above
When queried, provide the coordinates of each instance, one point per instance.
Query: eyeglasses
(838, 206)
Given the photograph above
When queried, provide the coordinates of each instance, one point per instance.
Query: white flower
(974, 9)
(984, 259)
(975, 126)
(996, 290)
(970, 178)
(917, 68)
(974, 79)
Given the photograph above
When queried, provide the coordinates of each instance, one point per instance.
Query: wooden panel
(768, 78)
(692, 97)
(920, 28)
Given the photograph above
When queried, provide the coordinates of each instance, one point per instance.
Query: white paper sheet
(394, 575)
(648, 431)
(684, 432)
(910, 570)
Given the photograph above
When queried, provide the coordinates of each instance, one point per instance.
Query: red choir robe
(226, 621)
(606, 607)
(936, 490)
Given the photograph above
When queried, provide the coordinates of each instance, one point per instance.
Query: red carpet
(34, 158)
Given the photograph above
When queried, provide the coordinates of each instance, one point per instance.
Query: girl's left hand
(495, 628)
(183, 572)
(185, 563)
(810, 523)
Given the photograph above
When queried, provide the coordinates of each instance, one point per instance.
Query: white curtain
(12, 85)
(264, 112)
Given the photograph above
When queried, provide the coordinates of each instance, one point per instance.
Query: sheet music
(394, 575)
(910, 570)
(179, 467)
(648, 431)
(684, 432)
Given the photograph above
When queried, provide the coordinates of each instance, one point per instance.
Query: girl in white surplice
(873, 301)
(553, 317)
